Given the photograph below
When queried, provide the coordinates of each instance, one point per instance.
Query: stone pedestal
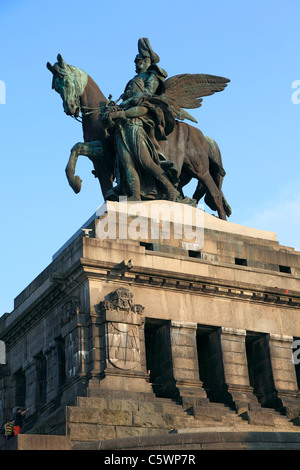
(122, 355)
(167, 304)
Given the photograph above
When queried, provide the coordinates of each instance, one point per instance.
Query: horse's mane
(66, 69)
(80, 76)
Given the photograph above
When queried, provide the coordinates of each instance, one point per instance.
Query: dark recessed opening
(148, 246)
(159, 360)
(260, 369)
(20, 388)
(194, 254)
(211, 364)
(241, 261)
(61, 361)
(285, 269)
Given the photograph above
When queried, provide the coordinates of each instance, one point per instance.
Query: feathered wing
(186, 91)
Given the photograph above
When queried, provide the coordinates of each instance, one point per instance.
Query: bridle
(91, 110)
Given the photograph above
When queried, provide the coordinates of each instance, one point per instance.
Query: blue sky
(254, 44)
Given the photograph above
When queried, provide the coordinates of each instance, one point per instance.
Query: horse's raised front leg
(89, 149)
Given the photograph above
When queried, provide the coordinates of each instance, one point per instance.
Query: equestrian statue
(140, 145)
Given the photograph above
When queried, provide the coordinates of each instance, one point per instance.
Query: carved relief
(122, 329)
(121, 300)
(69, 309)
(123, 345)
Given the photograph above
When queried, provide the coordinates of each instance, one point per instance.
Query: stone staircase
(107, 414)
(101, 418)
(104, 415)
(223, 417)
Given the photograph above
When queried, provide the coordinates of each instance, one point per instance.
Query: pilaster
(236, 370)
(284, 374)
(122, 355)
(183, 337)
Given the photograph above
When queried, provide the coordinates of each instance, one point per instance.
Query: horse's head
(70, 83)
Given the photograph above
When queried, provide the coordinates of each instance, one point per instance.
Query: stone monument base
(159, 325)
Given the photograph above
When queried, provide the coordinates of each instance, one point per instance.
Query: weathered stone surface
(90, 432)
(37, 442)
(109, 404)
(209, 441)
(99, 416)
(95, 344)
(148, 419)
(260, 418)
(207, 413)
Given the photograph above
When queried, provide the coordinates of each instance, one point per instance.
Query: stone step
(87, 432)
(283, 422)
(141, 415)
(161, 406)
(141, 418)
(96, 392)
(269, 417)
(102, 417)
(165, 407)
(143, 425)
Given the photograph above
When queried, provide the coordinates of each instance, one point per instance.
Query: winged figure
(187, 91)
(143, 143)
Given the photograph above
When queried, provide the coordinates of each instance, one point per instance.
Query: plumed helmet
(145, 50)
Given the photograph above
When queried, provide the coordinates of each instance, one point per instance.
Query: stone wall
(170, 319)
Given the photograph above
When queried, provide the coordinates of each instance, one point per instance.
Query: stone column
(51, 372)
(73, 338)
(122, 355)
(185, 363)
(284, 374)
(31, 381)
(96, 344)
(236, 370)
(6, 394)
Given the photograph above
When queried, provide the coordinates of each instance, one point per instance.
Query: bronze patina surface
(142, 143)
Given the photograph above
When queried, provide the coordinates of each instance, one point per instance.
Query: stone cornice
(61, 287)
(200, 285)
(144, 277)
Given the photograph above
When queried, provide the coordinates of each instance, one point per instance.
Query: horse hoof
(77, 185)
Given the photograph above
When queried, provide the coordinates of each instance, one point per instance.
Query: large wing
(186, 91)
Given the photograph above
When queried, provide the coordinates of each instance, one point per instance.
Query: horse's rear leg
(210, 187)
(215, 193)
(199, 192)
(207, 185)
(184, 179)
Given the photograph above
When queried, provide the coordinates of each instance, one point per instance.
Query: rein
(86, 113)
(88, 110)
(100, 109)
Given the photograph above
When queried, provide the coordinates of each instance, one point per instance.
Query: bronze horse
(194, 155)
